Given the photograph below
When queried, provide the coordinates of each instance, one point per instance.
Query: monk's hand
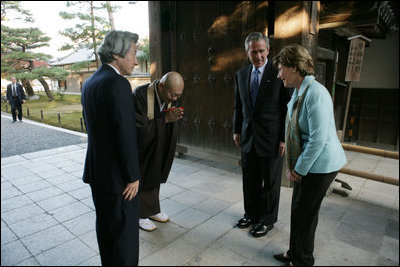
(174, 114)
(131, 190)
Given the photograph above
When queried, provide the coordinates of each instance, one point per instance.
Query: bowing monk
(157, 115)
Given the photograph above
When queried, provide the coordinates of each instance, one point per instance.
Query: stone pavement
(47, 215)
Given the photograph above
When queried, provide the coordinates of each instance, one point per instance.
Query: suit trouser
(149, 200)
(261, 186)
(117, 228)
(306, 202)
(16, 105)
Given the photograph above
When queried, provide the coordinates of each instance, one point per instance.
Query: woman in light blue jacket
(314, 154)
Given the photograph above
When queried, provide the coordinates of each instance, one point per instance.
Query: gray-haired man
(112, 164)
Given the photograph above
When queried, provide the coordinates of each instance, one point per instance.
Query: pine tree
(90, 30)
(17, 58)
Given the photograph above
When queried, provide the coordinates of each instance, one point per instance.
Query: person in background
(112, 163)
(259, 125)
(157, 118)
(314, 154)
(15, 97)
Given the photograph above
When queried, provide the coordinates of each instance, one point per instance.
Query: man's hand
(23, 101)
(8, 102)
(236, 138)
(131, 190)
(174, 114)
(281, 149)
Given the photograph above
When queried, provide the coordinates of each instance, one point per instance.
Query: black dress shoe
(244, 222)
(261, 229)
(282, 258)
(13, 121)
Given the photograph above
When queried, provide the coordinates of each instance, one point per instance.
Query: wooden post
(346, 111)
(353, 69)
(59, 119)
(335, 67)
(155, 36)
(41, 115)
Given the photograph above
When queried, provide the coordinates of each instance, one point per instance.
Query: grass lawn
(68, 106)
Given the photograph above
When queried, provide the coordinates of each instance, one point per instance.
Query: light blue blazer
(321, 148)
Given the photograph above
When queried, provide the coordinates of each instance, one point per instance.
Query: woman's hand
(293, 176)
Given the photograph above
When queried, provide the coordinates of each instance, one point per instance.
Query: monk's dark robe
(156, 144)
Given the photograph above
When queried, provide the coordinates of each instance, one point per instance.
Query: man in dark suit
(259, 126)
(112, 163)
(15, 97)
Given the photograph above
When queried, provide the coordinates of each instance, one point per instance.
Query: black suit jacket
(20, 92)
(263, 125)
(109, 114)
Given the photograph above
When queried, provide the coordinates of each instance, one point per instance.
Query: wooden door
(206, 44)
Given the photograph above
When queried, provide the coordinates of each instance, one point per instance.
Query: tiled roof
(76, 56)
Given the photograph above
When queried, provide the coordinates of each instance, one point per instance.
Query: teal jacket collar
(307, 80)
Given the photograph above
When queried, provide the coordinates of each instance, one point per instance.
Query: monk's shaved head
(172, 85)
(172, 79)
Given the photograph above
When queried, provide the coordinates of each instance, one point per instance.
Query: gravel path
(25, 137)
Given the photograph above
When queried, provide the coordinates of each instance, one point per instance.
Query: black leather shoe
(282, 258)
(244, 222)
(13, 121)
(261, 230)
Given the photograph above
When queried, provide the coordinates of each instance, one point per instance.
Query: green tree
(14, 8)
(92, 26)
(17, 59)
(144, 46)
(7, 6)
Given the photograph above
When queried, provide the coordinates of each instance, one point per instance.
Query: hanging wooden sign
(355, 59)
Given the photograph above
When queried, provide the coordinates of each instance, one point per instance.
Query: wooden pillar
(346, 111)
(155, 39)
(297, 22)
(162, 24)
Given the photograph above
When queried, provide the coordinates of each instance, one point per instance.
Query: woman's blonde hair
(295, 56)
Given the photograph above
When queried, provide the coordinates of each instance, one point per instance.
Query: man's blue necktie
(254, 87)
